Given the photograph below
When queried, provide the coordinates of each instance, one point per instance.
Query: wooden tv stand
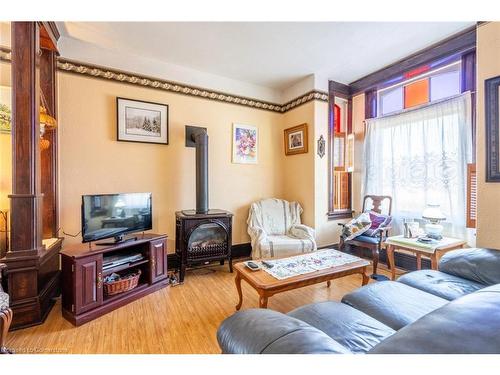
(83, 297)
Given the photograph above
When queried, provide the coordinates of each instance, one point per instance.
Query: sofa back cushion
(467, 325)
(263, 331)
(476, 264)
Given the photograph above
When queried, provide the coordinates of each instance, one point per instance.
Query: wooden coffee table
(267, 286)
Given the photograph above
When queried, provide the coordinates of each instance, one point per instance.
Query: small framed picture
(296, 140)
(245, 144)
(140, 121)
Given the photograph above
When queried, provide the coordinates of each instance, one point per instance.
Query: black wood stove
(202, 235)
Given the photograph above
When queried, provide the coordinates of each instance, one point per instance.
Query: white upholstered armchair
(275, 229)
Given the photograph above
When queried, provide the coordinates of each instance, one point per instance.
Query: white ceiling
(269, 54)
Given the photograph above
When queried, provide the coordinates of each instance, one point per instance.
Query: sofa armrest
(262, 331)
(476, 264)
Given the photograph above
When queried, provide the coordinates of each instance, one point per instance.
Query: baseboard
(244, 250)
(238, 251)
(403, 261)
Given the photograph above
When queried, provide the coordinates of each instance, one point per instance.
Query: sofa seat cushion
(440, 284)
(467, 325)
(263, 331)
(476, 264)
(392, 303)
(282, 245)
(349, 327)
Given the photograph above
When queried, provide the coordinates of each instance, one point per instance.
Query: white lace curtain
(420, 157)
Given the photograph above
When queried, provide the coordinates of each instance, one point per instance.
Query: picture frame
(296, 140)
(141, 121)
(492, 109)
(245, 144)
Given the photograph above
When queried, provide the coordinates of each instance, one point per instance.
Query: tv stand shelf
(83, 297)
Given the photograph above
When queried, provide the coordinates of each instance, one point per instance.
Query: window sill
(337, 215)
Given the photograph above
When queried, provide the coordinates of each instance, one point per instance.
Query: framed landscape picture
(296, 140)
(140, 121)
(245, 144)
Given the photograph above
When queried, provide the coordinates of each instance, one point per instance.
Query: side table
(433, 250)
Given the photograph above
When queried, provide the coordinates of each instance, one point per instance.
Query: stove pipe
(201, 140)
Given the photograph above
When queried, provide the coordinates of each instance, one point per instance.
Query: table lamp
(434, 215)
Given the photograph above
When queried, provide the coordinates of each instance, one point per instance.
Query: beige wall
(488, 66)
(92, 161)
(298, 170)
(358, 129)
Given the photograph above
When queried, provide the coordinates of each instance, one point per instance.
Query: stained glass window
(391, 101)
(417, 93)
(445, 85)
(421, 87)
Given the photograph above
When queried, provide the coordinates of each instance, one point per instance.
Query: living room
(167, 190)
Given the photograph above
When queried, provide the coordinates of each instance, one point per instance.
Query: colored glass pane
(336, 118)
(391, 101)
(445, 85)
(417, 93)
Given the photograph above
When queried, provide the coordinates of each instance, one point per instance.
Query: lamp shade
(433, 212)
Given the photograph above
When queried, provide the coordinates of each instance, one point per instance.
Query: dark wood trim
(340, 90)
(371, 104)
(460, 43)
(49, 162)
(491, 87)
(468, 83)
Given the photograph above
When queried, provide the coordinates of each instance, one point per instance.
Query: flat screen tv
(114, 215)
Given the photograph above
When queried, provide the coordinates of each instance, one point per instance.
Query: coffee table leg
(366, 278)
(237, 281)
(328, 283)
(390, 258)
(263, 302)
(434, 261)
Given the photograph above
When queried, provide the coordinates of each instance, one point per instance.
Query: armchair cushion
(367, 239)
(284, 246)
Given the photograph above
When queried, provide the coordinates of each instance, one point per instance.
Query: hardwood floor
(181, 319)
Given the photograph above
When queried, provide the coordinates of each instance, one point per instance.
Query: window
(420, 157)
(422, 86)
(341, 160)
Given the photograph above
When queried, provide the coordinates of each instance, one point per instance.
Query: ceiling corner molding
(100, 72)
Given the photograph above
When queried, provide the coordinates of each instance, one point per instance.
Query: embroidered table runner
(307, 263)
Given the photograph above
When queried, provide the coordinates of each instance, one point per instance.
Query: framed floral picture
(140, 121)
(245, 144)
(296, 140)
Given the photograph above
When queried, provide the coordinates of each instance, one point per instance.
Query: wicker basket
(123, 285)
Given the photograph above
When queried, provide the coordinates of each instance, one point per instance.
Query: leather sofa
(453, 310)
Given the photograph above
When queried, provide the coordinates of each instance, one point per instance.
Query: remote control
(268, 265)
(252, 266)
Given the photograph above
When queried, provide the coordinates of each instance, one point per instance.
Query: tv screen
(113, 215)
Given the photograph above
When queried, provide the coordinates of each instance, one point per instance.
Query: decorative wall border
(179, 88)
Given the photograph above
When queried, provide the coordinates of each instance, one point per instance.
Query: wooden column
(26, 198)
(32, 270)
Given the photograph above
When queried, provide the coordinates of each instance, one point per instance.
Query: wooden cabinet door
(88, 283)
(158, 259)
